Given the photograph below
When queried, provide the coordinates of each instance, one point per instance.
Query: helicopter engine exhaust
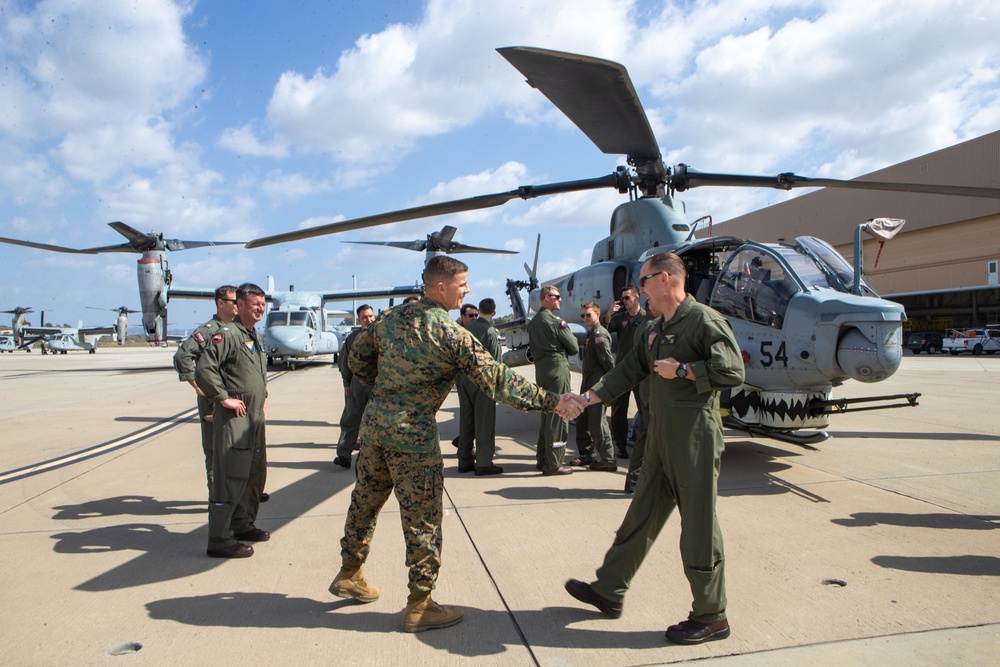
(519, 357)
(871, 352)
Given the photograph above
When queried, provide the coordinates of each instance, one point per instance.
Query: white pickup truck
(975, 341)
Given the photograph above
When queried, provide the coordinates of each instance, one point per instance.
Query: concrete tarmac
(882, 547)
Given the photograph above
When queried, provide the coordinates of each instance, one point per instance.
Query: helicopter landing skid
(801, 438)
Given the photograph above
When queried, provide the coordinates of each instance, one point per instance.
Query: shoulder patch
(198, 337)
(563, 324)
(217, 338)
(650, 339)
(599, 339)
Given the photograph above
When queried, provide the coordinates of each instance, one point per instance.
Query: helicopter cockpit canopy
(282, 318)
(757, 281)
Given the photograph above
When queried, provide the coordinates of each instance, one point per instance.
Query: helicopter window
(843, 272)
(277, 320)
(298, 319)
(754, 287)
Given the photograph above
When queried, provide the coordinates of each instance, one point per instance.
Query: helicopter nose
(871, 352)
(288, 340)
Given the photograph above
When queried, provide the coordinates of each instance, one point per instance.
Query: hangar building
(942, 266)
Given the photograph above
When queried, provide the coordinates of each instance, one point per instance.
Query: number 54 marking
(768, 359)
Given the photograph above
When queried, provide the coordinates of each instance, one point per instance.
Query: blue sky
(234, 120)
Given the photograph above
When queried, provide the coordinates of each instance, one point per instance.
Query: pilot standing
(551, 342)
(593, 437)
(625, 323)
(187, 356)
(477, 411)
(642, 423)
(356, 394)
(690, 354)
(232, 371)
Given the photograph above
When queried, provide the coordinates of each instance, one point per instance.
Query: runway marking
(143, 433)
(160, 426)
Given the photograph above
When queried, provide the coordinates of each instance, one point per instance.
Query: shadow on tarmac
(980, 566)
(936, 520)
(492, 629)
(130, 505)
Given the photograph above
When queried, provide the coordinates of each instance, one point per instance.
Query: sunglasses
(643, 279)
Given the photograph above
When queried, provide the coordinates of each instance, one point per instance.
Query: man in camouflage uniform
(187, 356)
(412, 355)
(690, 354)
(625, 323)
(232, 371)
(551, 342)
(477, 414)
(593, 437)
(356, 394)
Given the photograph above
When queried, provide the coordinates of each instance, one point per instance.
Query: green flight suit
(642, 425)
(626, 327)
(477, 412)
(185, 360)
(683, 453)
(593, 437)
(234, 365)
(411, 355)
(355, 403)
(551, 342)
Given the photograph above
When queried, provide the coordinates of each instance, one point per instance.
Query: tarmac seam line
(496, 587)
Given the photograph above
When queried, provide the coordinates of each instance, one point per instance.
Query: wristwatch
(682, 370)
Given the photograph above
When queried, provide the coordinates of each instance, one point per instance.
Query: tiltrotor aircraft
(804, 318)
(17, 322)
(436, 243)
(296, 327)
(121, 324)
(154, 275)
(60, 340)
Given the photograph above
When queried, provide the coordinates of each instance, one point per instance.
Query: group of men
(410, 357)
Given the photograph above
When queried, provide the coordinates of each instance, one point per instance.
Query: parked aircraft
(60, 340)
(121, 324)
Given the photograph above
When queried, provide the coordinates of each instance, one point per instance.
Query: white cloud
(280, 186)
(243, 140)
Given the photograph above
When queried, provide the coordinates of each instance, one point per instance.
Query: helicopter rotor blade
(54, 248)
(684, 178)
(442, 240)
(416, 246)
(618, 180)
(598, 96)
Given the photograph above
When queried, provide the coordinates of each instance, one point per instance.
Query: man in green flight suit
(593, 437)
(412, 355)
(187, 356)
(477, 413)
(232, 371)
(551, 342)
(690, 354)
(356, 393)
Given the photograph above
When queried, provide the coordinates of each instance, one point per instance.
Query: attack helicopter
(153, 272)
(804, 318)
(121, 324)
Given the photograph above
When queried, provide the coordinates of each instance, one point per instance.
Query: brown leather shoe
(488, 470)
(585, 593)
(580, 462)
(561, 470)
(604, 466)
(254, 534)
(693, 632)
(233, 551)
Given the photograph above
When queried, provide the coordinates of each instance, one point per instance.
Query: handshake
(572, 405)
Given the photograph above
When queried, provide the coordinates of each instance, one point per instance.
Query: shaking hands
(572, 405)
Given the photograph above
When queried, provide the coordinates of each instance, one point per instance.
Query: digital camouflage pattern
(411, 356)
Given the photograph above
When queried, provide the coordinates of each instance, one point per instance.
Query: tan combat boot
(350, 582)
(426, 614)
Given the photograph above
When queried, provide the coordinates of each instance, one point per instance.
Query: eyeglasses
(472, 316)
(228, 300)
(643, 279)
(626, 297)
(588, 313)
(553, 296)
